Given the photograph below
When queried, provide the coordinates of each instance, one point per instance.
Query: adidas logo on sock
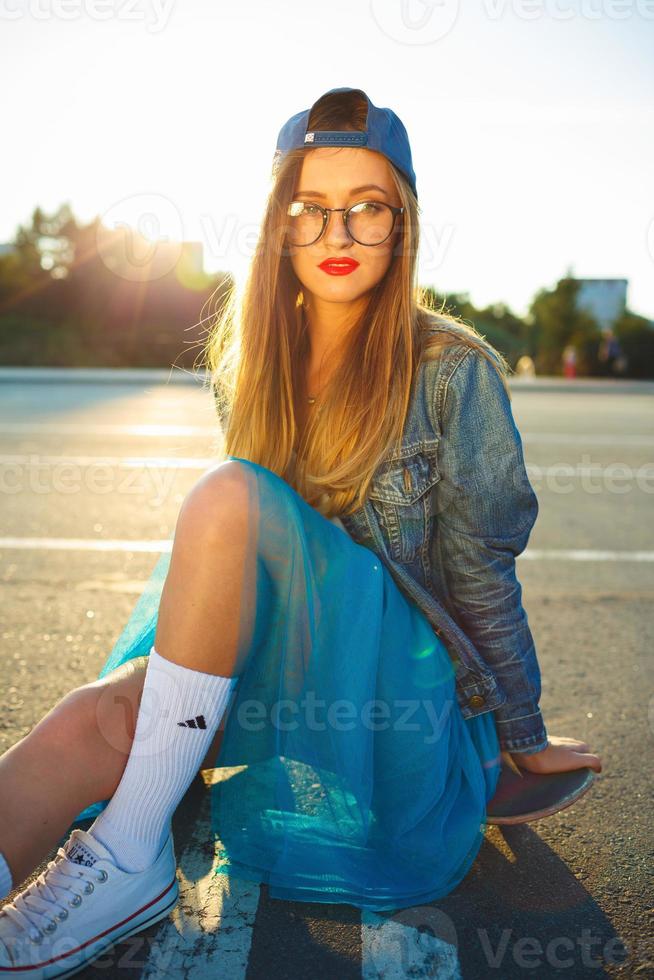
(197, 722)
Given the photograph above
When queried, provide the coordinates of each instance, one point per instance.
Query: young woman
(280, 638)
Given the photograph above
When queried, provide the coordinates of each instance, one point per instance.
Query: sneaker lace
(46, 897)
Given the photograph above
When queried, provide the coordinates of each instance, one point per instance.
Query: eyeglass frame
(325, 219)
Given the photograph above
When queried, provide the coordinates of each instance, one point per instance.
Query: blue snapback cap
(385, 132)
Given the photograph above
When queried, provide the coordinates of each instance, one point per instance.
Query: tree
(636, 337)
(507, 332)
(558, 322)
(73, 294)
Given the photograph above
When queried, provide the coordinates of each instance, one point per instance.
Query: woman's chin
(339, 289)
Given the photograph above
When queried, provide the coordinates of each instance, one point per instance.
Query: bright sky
(531, 123)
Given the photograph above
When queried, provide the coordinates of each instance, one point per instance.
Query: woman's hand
(560, 755)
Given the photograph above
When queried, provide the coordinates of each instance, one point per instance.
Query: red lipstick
(339, 267)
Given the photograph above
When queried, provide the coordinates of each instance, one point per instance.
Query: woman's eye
(301, 208)
(367, 207)
(298, 209)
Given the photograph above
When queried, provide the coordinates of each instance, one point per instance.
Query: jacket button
(476, 701)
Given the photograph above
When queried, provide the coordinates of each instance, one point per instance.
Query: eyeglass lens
(369, 222)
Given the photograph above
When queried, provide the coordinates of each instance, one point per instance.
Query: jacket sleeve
(485, 509)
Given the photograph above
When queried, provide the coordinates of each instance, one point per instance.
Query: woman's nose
(336, 234)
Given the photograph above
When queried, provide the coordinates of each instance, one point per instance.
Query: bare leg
(73, 757)
(206, 611)
(77, 753)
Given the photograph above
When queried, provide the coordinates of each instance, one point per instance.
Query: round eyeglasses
(368, 222)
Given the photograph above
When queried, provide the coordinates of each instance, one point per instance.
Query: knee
(69, 722)
(100, 714)
(111, 704)
(218, 502)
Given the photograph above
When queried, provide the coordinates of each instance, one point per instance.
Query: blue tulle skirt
(349, 773)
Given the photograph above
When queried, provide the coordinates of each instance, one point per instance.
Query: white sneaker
(81, 905)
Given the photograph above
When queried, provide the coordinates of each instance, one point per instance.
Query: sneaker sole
(108, 942)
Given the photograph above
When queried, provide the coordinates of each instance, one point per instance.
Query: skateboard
(522, 796)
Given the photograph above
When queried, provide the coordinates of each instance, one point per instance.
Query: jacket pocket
(401, 498)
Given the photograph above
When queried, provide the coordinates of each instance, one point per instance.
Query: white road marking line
(204, 462)
(106, 429)
(125, 462)
(158, 545)
(85, 544)
(568, 469)
(396, 948)
(586, 438)
(160, 430)
(209, 932)
(585, 554)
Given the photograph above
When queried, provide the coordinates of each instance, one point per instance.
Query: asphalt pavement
(93, 469)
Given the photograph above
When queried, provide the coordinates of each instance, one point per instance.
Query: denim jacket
(448, 514)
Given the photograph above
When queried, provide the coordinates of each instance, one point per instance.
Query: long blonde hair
(257, 346)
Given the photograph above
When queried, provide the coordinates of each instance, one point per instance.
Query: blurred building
(604, 299)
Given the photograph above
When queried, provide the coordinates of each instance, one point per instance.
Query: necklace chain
(312, 398)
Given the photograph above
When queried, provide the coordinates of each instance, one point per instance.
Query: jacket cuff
(520, 728)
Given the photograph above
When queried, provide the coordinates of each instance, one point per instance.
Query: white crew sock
(178, 717)
(6, 884)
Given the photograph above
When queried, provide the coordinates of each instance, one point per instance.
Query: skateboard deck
(524, 796)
